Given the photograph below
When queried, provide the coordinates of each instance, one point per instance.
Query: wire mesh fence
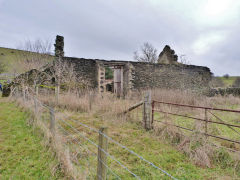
(86, 152)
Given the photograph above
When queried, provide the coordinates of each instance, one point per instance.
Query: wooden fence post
(152, 113)
(90, 99)
(102, 156)
(36, 91)
(24, 94)
(35, 105)
(57, 89)
(147, 110)
(52, 121)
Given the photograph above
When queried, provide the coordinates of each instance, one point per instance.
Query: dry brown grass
(106, 105)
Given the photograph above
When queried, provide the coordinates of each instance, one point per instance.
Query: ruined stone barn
(126, 76)
(121, 77)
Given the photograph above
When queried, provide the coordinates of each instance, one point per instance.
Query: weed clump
(222, 158)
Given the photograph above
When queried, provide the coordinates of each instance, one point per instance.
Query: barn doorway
(110, 78)
(118, 80)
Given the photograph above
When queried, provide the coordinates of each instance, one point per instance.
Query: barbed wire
(124, 147)
(112, 157)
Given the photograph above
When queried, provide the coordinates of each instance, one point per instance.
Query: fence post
(24, 94)
(206, 122)
(147, 122)
(90, 99)
(152, 113)
(35, 105)
(102, 157)
(57, 89)
(52, 121)
(37, 90)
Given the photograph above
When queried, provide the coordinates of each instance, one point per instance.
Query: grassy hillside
(9, 56)
(228, 81)
(13, 57)
(22, 155)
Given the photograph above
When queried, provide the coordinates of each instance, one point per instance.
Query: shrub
(236, 83)
(216, 82)
(226, 76)
(109, 73)
(222, 157)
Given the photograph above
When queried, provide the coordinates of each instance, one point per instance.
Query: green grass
(228, 82)
(214, 129)
(22, 155)
(148, 145)
(10, 56)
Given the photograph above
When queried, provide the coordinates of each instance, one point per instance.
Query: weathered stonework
(59, 46)
(101, 77)
(145, 75)
(140, 75)
(31, 78)
(167, 56)
(129, 75)
(86, 70)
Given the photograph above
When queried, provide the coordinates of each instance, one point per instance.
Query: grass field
(228, 82)
(22, 153)
(10, 58)
(148, 145)
(130, 133)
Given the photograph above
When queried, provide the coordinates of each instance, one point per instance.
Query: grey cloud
(111, 29)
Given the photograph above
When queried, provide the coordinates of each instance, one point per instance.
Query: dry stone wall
(145, 75)
(86, 70)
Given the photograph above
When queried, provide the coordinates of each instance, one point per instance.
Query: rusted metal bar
(152, 112)
(210, 135)
(198, 107)
(199, 119)
(206, 121)
(226, 139)
(224, 122)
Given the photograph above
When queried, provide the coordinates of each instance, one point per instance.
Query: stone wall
(140, 75)
(167, 56)
(86, 70)
(225, 91)
(145, 75)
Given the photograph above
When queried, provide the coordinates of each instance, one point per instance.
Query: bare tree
(236, 83)
(64, 74)
(32, 55)
(226, 76)
(29, 62)
(147, 53)
(184, 59)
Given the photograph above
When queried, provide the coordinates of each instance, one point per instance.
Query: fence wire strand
(112, 157)
(85, 147)
(124, 147)
(109, 138)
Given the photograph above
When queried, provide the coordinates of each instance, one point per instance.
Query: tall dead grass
(106, 105)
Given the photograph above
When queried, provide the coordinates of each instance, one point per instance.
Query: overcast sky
(206, 31)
